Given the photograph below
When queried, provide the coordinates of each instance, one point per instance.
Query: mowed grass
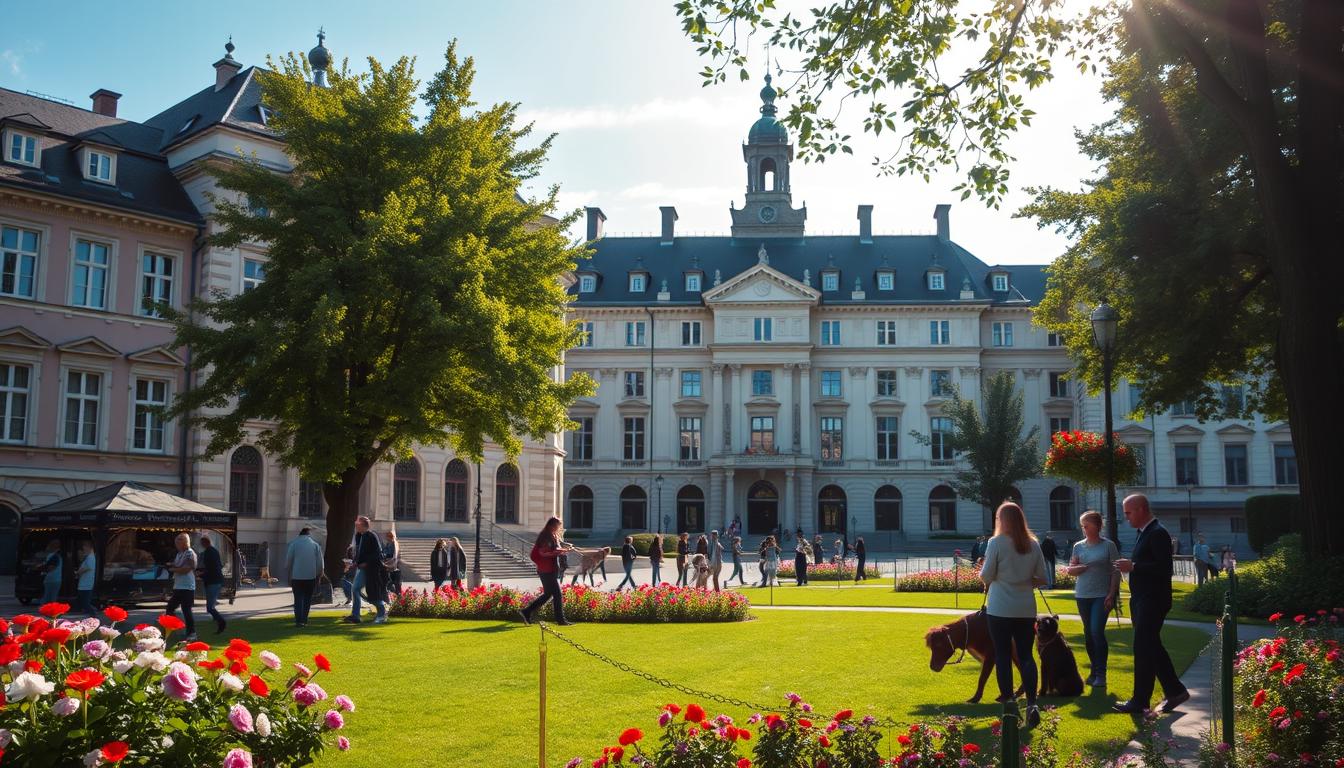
(445, 692)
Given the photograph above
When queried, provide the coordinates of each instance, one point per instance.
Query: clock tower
(769, 210)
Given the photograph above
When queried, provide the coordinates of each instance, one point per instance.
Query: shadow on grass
(503, 626)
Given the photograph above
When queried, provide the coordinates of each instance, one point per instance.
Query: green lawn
(439, 692)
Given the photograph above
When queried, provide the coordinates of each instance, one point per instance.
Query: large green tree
(1247, 96)
(410, 294)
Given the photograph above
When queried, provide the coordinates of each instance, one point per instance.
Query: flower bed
(663, 603)
(828, 571)
(1081, 456)
(81, 693)
(965, 579)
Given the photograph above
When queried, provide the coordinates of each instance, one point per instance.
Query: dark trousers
(550, 590)
(303, 598)
(85, 602)
(859, 572)
(1008, 633)
(1092, 610)
(1050, 573)
(1151, 662)
(212, 600)
(800, 569)
(185, 598)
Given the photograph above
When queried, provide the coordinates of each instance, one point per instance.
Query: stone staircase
(496, 563)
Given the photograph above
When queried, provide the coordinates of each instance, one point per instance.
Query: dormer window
(936, 280)
(638, 282)
(999, 282)
(830, 280)
(693, 281)
(266, 114)
(187, 125)
(886, 280)
(587, 283)
(99, 166)
(22, 148)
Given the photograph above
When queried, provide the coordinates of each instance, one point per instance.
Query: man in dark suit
(1149, 569)
(370, 578)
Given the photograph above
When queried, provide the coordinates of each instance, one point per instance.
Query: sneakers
(1098, 681)
(565, 623)
(219, 626)
(380, 620)
(351, 620)
(1033, 716)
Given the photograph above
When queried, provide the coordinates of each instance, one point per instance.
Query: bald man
(184, 582)
(1149, 569)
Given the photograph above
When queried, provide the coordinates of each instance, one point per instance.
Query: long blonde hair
(1011, 522)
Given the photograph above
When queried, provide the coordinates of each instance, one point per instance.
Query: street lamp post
(1190, 517)
(474, 578)
(1104, 322)
(658, 482)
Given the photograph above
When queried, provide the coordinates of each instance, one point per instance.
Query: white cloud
(13, 59)
(693, 111)
(655, 190)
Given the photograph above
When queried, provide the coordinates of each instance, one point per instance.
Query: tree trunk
(342, 508)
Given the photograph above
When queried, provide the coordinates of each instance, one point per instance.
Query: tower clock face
(767, 214)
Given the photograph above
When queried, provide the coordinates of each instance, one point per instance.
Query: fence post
(1010, 756)
(541, 703)
(1229, 651)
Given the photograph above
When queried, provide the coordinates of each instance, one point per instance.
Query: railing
(1222, 722)
(508, 541)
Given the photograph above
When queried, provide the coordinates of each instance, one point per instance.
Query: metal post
(541, 703)
(475, 578)
(1011, 753)
(1229, 651)
(653, 382)
(1111, 525)
(1190, 517)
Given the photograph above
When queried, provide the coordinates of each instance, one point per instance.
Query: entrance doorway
(762, 508)
(690, 510)
(9, 539)
(831, 506)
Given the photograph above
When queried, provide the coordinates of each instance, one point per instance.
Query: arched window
(690, 509)
(634, 504)
(1062, 517)
(831, 509)
(245, 482)
(942, 509)
(406, 490)
(1014, 495)
(769, 175)
(455, 492)
(580, 507)
(506, 494)
(310, 499)
(887, 508)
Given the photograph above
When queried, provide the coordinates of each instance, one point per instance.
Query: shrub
(76, 698)
(664, 603)
(827, 571)
(1284, 580)
(643, 541)
(1270, 516)
(965, 579)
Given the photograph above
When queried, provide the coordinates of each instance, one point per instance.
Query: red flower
(673, 708)
(170, 622)
(84, 680)
(823, 740)
(1277, 712)
(843, 715)
(216, 664)
(321, 662)
(115, 751)
(237, 668)
(22, 620)
(804, 722)
(1299, 618)
(695, 713)
(258, 686)
(198, 646)
(1275, 616)
(10, 652)
(54, 635)
(32, 665)
(744, 734)
(904, 740)
(1259, 699)
(115, 613)
(970, 749)
(238, 649)
(1297, 671)
(630, 736)
(744, 763)
(54, 609)
(1276, 666)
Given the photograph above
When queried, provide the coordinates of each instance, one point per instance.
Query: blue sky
(615, 79)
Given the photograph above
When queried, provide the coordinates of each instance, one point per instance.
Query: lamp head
(1104, 322)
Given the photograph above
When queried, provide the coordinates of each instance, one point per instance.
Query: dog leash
(1048, 609)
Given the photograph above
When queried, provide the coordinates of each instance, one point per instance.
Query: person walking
(1097, 585)
(264, 564)
(1050, 552)
(84, 577)
(1014, 567)
(1149, 568)
(628, 555)
(800, 555)
(1201, 558)
(545, 549)
(348, 576)
(861, 555)
(212, 578)
(769, 554)
(392, 563)
(683, 554)
(303, 564)
(370, 577)
(656, 559)
(183, 569)
(715, 559)
(457, 563)
(818, 549)
(736, 553)
(53, 570)
(438, 563)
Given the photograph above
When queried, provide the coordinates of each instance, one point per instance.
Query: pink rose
(334, 720)
(270, 660)
(342, 743)
(344, 702)
(238, 758)
(240, 718)
(179, 682)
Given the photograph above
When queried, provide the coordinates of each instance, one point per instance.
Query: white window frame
(586, 329)
(12, 134)
(39, 257)
(634, 438)
(886, 333)
(939, 450)
(940, 333)
(133, 416)
(1245, 466)
(1058, 383)
(937, 281)
(888, 449)
(763, 329)
(633, 384)
(246, 283)
(1054, 339)
(635, 333)
(581, 443)
(168, 255)
(1065, 424)
(587, 283)
(639, 282)
(103, 398)
(1000, 282)
(935, 391)
(8, 392)
(92, 173)
(880, 380)
(830, 280)
(690, 438)
(838, 379)
(693, 282)
(1274, 458)
(767, 378)
(109, 270)
(1176, 465)
(691, 333)
(1002, 333)
(830, 333)
(699, 383)
(831, 438)
(886, 281)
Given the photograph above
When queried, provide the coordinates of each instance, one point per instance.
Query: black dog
(1059, 670)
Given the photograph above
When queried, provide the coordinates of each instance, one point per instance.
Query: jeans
(737, 573)
(185, 598)
(51, 590)
(212, 600)
(1049, 574)
(681, 571)
(629, 576)
(1006, 633)
(550, 590)
(1093, 612)
(657, 572)
(85, 601)
(1201, 572)
(357, 588)
(347, 586)
(303, 598)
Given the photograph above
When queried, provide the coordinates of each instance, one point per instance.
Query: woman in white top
(1013, 568)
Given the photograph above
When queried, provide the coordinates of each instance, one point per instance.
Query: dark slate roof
(126, 496)
(910, 256)
(144, 182)
(237, 105)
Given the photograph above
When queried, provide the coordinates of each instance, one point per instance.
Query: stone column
(858, 423)
(788, 512)
(729, 494)
(805, 419)
(784, 435)
(716, 498)
(738, 395)
(608, 421)
(970, 382)
(806, 502)
(715, 425)
(664, 418)
(914, 416)
(1031, 404)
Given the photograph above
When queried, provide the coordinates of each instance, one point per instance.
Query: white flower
(230, 681)
(153, 660)
(182, 656)
(93, 758)
(91, 625)
(65, 707)
(148, 644)
(263, 725)
(5, 738)
(270, 660)
(109, 633)
(145, 633)
(96, 649)
(122, 666)
(167, 742)
(30, 686)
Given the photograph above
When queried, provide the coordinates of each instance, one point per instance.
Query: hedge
(1284, 581)
(1270, 516)
(643, 541)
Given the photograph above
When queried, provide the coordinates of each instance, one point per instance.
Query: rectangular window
(1059, 384)
(254, 272)
(830, 384)
(940, 383)
(99, 167)
(14, 402)
(939, 333)
(762, 383)
(1235, 464)
(1000, 283)
(690, 438)
(637, 283)
(581, 439)
(936, 281)
(586, 334)
(886, 333)
(156, 283)
(1285, 464)
(885, 281)
(886, 383)
(1233, 397)
(1183, 408)
(22, 149)
(830, 333)
(310, 499)
(830, 281)
(634, 438)
(690, 333)
(634, 383)
(1238, 524)
(763, 329)
(18, 262)
(634, 333)
(693, 282)
(832, 438)
(1002, 334)
(1053, 339)
(151, 397)
(82, 399)
(940, 434)
(90, 274)
(1141, 459)
(888, 438)
(1135, 396)
(587, 283)
(1059, 424)
(763, 433)
(690, 384)
(1187, 464)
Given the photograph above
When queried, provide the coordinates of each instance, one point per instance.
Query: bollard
(1010, 755)
(541, 703)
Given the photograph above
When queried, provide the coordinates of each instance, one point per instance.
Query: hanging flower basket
(1081, 457)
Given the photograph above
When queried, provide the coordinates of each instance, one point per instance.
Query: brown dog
(969, 634)
(1059, 670)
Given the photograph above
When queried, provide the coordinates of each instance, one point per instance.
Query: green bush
(1270, 516)
(643, 541)
(1284, 581)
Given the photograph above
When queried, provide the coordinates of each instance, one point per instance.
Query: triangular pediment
(89, 345)
(25, 119)
(1134, 432)
(1236, 430)
(1185, 430)
(1279, 430)
(761, 284)
(160, 355)
(22, 338)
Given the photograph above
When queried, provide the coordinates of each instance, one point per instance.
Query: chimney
(595, 219)
(866, 224)
(940, 214)
(226, 67)
(105, 102)
(669, 223)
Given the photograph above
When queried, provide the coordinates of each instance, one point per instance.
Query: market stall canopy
(129, 504)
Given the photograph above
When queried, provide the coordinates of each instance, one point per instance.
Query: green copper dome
(768, 130)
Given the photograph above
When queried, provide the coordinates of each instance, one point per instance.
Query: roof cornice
(74, 204)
